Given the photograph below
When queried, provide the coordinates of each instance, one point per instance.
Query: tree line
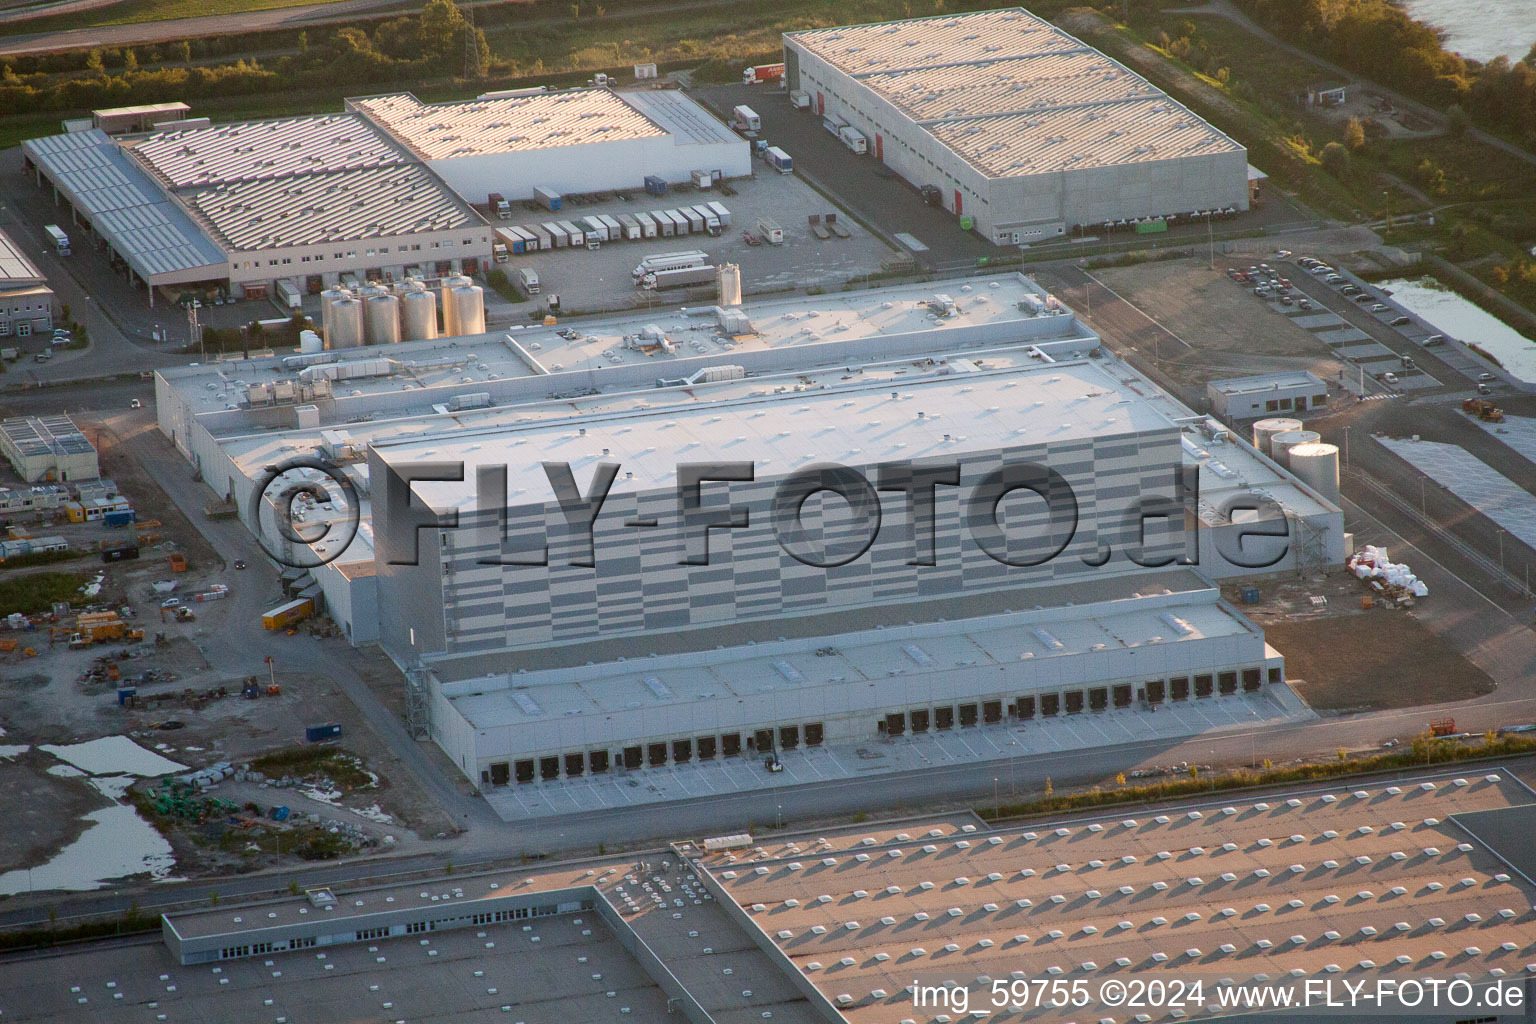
(437, 42)
(1379, 40)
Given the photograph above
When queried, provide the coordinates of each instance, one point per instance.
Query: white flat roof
(987, 643)
(16, 269)
(248, 150)
(857, 423)
(440, 131)
(1014, 95)
(1266, 382)
(335, 206)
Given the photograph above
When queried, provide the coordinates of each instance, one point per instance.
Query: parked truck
(648, 228)
(664, 225)
(801, 99)
(670, 261)
(614, 228)
(682, 277)
(694, 219)
(595, 228)
(499, 207)
(680, 223)
(711, 222)
(58, 238)
(548, 198)
(719, 210)
(528, 280)
(762, 73)
(285, 615)
(288, 295)
(744, 118)
(577, 236)
(779, 160)
(530, 240)
(504, 243)
(853, 139)
(557, 234)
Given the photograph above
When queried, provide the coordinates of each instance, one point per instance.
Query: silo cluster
(374, 314)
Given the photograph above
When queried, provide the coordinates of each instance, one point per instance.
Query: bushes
(38, 592)
(1422, 752)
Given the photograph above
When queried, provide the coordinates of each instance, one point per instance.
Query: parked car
(1434, 340)
(1401, 321)
(1286, 300)
(1484, 389)
(1486, 378)
(171, 602)
(1304, 304)
(1363, 298)
(135, 404)
(1389, 377)
(239, 563)
(1378, 307)
(1333, 279)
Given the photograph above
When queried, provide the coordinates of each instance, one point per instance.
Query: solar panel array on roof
(338, 205)
(144, 226)
(32, 435)
(15, 267)
(253, 150)
(438, 131)
(1014, 95)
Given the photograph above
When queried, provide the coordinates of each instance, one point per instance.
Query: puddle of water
(116, 843)
(114, 755)
(1465, 321)
(66, 771)
(11, 750)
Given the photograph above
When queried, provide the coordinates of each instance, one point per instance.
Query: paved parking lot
(1274, 706)
(1469, 478)
(592, 280)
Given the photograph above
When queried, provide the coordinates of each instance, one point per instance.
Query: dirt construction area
(1224, 330)
(1341, 657)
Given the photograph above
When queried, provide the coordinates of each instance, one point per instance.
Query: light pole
(1346, 447)
(1501, 550)
(778, 815)
(1210, 237)
(1423, 509)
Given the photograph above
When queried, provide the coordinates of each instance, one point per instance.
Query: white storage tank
(346, 324)
(729, 277)
(1282, 443)
(418, 315)
(310, 342)
(1316, 464)
(445, 288)
(1263, 430)
(468, 305)
(328, 298)
(381, 319)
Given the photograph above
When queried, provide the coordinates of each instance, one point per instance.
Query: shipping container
(853, 139)
(681, 223)
(648, 228)
(120, 553)
(548, 198)
(284, 615)
(683, 277)
(499, 207)
(655, 186)
(119, 517)
(770, 231)
(557, 234)
(595, 228)
(528, 280)
(670, 261)
(779, 160)
(762, 73)
(745, 118)
(719, 210)
(509, 238)
(530, 240)
(702, 179)
(321, 733)
(631, 227)
(711, 222)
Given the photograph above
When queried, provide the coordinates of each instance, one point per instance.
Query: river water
(1455, 317)
(1482, 29)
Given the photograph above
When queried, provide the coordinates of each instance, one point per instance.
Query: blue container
(655, 186)
(124, 692)
(1250, 595)
(321, 733)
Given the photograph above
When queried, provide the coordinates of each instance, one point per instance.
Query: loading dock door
(821, 104)
(959, 204)
(879, 146)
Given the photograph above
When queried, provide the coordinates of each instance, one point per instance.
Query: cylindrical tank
(1263, 430)
(381, 319)
(310, 342)
(328, 298)
(445, 293)
(346, 324)
(418, 315)
(468, 304)
(1317, 465)
(1282, 443)
(729, 277)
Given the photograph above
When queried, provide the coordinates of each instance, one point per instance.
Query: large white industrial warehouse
(1023, 129)
(943, 614)
(380, 192)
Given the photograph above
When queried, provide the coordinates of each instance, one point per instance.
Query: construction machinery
(1483, 410)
